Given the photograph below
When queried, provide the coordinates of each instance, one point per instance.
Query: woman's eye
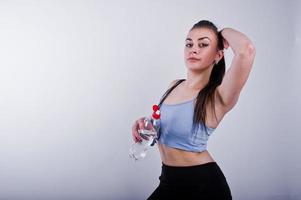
(203, 45)
(200, 45)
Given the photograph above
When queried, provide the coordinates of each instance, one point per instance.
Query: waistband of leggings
(204, 165)
(188, 175)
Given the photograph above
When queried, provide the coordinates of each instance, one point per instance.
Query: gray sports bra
(176, 125)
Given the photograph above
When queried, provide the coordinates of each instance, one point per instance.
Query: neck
(197, 80)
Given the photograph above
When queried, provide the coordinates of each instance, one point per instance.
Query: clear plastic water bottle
(149, 135)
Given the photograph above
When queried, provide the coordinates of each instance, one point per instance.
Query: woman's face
(200, 49)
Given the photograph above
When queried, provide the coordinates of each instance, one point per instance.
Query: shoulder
(173, 83)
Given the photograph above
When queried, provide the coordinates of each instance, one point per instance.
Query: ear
(219, 55)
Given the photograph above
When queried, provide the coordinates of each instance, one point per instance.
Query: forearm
(239, 42)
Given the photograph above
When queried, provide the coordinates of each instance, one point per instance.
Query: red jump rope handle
(156, 113)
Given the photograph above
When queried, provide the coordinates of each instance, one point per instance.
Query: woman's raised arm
(238, 73)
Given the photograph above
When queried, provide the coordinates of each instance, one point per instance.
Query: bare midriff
(177, 157)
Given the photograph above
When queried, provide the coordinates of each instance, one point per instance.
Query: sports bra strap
(169, 90)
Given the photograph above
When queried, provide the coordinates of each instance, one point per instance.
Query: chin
(195, 67)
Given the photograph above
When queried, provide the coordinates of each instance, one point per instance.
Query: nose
(193, 50)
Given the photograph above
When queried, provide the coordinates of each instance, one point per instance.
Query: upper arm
(235, 78)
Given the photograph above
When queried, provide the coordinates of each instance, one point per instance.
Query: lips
(193, 59)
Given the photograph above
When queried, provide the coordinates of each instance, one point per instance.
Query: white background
(74, 75)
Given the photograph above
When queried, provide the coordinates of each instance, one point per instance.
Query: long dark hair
(207, 94)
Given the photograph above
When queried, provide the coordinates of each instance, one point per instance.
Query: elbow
(251, 49)
(247, 50)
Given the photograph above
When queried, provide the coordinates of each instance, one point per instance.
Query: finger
(226, 44)
(138, 125)
(141, 123)
(135, 134)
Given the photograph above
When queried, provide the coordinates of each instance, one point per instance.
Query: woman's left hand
(226, 44)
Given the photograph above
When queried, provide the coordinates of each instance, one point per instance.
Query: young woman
(192, 108)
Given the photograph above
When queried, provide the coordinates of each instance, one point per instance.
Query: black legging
(205, 181)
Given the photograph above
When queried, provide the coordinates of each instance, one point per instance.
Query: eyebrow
(198, 39)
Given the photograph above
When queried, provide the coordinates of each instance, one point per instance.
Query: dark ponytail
(207, 94)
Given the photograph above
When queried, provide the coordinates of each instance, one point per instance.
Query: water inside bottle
(148, 134)
(138, 150)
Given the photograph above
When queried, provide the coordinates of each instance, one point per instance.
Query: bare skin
(198, 71)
